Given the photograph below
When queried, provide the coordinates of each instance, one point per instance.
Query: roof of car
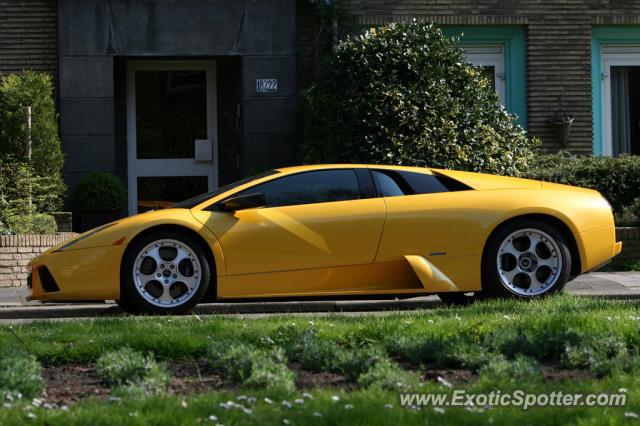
(295, 169)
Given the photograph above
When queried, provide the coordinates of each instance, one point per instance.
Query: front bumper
(82, 274)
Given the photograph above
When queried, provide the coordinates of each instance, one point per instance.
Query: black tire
(460, 299)
(131, 299)
(492, 283)
(127, 307)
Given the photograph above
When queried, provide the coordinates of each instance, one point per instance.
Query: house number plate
(266, 85)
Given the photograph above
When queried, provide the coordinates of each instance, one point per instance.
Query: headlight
(83, 236)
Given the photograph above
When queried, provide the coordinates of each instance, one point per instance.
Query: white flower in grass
(184, 404)
(311, 323)
(287, 404)
(7, 405)
(32, 415)
(299, 401)
(507, 317)
(622, 390)
(317, 414)
(241, 398)
(64, 408)
(251, 400)
(430, 321)
(331, 325)
(388, 405)
(307, 395)
(213, 418)
(348, 406)
(247, 411)
(458, 318)
(36, 402)
(438, 410)
(268, 400)
(630, 415)
(48, 406)
(286, 421)
(335, 398)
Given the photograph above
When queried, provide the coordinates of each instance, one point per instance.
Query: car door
(314, 219)
(427, 215)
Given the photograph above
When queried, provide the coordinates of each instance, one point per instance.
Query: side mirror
(242, 202)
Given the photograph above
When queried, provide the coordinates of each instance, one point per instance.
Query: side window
(392, 183)
(387, 185)
(423, 184)
(322, 186)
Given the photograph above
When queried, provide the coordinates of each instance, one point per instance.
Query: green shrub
(29, 224)
(629, 215)
(132, 373)
(252, 367)
(100, 192)
(20, 374)
(25, 198)
(17, 91)
(41, 175)
(600, 355)
(521, 370)
(616, 178)
(387, 375)
(404, 94)
(318, 354)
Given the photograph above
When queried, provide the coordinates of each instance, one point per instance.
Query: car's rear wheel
(526, 259)
(164, 273)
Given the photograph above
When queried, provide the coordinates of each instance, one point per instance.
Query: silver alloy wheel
(529, 262)
(167, 273)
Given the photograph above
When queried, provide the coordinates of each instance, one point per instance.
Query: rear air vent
(46, 280)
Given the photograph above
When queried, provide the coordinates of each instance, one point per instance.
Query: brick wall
(17, 250)
(558, 52)
(29, 36)
(630, 238)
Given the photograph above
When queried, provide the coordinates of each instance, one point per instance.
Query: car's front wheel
(164, 273)
(526, 259)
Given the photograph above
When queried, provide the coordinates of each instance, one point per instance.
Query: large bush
(404, 94)
(29, 187)
(617, 178)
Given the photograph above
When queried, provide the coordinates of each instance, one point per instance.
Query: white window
(620, 99)
(491, 59)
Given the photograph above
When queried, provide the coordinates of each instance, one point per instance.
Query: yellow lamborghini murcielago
(339, 231)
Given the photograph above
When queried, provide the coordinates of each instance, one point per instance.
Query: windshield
(198, 199)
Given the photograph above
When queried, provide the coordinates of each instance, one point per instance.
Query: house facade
(179, 97)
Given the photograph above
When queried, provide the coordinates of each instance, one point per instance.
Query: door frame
(613, 56)
(491, 55)
(142, 168)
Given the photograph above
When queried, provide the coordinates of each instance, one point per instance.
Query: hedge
(616, 178)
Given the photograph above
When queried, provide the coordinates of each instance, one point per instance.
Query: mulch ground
(70, 383)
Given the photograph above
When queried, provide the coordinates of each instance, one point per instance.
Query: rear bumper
(617, 248)
(597, 247)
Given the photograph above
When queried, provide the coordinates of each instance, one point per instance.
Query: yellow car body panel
(408, 244)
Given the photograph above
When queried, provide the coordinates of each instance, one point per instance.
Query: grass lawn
(332, 369)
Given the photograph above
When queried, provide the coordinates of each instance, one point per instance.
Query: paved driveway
(619, 285)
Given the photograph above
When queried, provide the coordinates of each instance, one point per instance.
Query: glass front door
(171, 132)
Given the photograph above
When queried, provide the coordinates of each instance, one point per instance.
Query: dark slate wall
(29, 37)
(95, 35)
